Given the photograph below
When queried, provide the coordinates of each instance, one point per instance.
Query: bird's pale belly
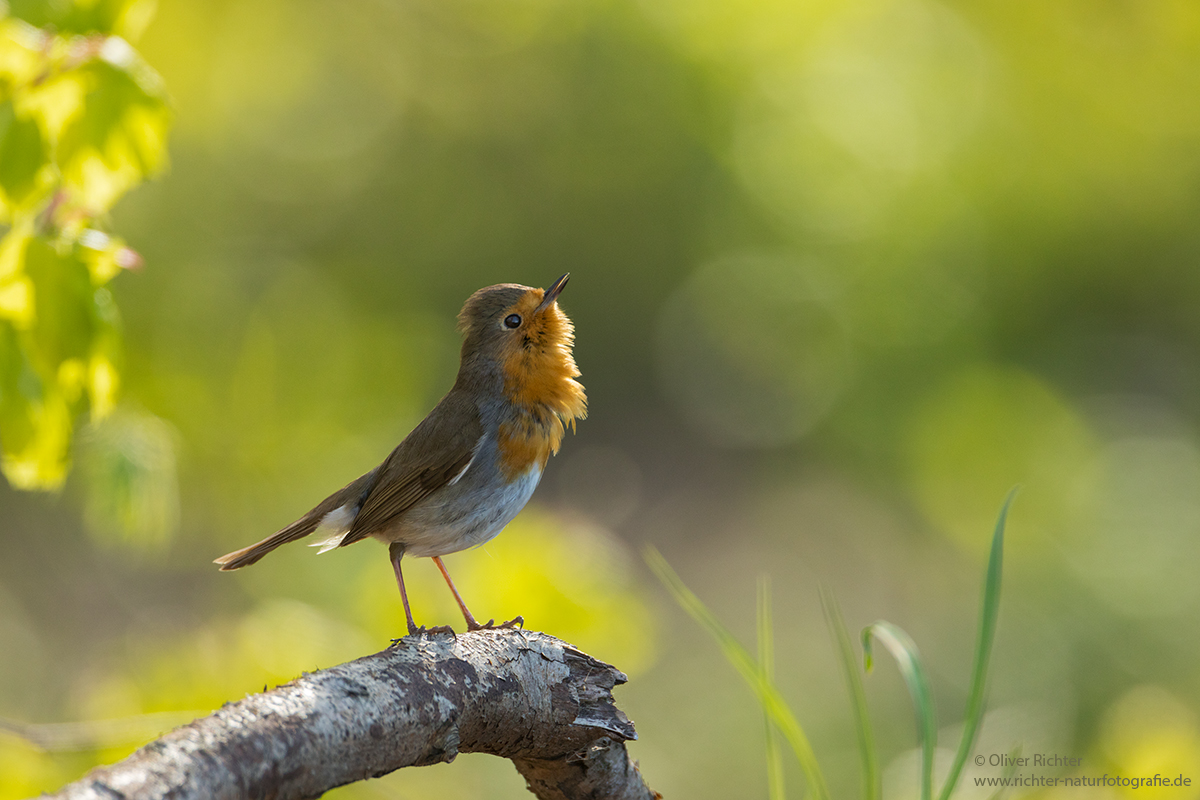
(461, 516)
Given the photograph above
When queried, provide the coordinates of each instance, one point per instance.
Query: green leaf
(16, 290)
(872, 787)
(765, 691)
(20, 59)
(65, 321)
(53, 102)
(988, 615)
(103, 376)
(908, 658)
(120, 136)
(127, 18)
(25, 170)
(59, 353)
(35, 420)
(766, 660)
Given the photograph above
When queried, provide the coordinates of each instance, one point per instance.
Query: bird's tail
(248, 555)
(335, 512)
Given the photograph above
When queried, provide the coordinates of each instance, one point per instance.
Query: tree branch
(515, 694)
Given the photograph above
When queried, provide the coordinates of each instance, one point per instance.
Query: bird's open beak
(552, 294)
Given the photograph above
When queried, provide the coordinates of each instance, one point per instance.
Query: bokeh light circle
(751, 350)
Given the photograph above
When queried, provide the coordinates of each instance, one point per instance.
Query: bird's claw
(515, 622)
(415, 631)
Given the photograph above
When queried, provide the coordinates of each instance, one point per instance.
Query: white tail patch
(337, 523)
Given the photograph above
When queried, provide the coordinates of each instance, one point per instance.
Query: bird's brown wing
(433, 455)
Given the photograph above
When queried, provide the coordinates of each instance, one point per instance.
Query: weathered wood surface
(516, 694)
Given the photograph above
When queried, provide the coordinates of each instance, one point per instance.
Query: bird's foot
(413, 630)
(515, 622)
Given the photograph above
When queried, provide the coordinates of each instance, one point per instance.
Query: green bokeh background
(843, 273)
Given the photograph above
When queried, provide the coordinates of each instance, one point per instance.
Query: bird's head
(520, 335)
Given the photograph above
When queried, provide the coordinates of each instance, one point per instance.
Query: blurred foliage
(844, 271)
(132, 495)
(83, 120)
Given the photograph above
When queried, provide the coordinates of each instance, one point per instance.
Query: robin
(472, 464)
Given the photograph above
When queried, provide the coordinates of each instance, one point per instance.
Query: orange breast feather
(540, 382)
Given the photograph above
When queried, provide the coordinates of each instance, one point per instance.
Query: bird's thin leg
(466, 612)
(396, 551)
(396, 554)
(472, 625)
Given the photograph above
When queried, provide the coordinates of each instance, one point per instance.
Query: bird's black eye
(512, 321)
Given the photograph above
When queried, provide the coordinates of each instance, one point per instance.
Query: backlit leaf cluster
(83, 119)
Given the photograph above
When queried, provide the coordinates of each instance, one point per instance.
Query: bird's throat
(539, 383)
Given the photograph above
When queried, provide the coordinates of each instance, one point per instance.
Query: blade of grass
(989, 612)
(766, 660)
(768, 696)
(872, 785)
(908, 658)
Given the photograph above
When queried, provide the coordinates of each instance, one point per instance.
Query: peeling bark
(520, 695)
